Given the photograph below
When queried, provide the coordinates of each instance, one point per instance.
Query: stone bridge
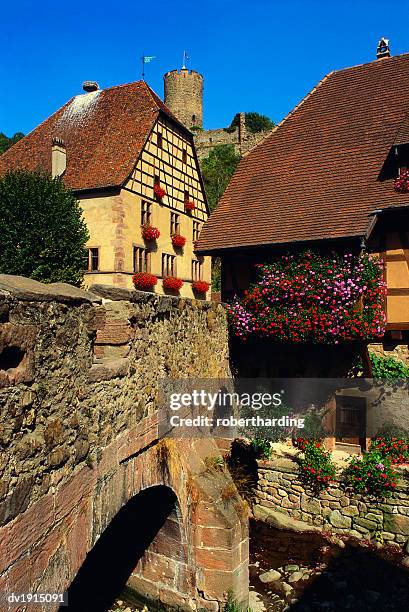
(91, 500)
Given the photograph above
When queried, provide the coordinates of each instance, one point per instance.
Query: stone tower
(184, 96)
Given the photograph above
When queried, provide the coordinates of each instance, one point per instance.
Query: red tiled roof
(317, 175)
(103, 131)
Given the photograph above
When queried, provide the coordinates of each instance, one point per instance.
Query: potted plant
(150, 233)
(159, 191)
(144, 281)
(171, 283)
(190, 205)
(401, 184)
(200, 286)
(178, 240)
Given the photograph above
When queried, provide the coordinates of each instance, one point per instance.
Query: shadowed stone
(282, 521)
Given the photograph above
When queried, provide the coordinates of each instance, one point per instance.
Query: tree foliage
(254, 122)
(42, 232)
(217, 169)
(6, 142)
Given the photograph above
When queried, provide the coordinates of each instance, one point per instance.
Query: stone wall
(279, 488)
(242, 140)
(79, 375)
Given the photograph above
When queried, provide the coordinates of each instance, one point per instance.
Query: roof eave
(216, 251)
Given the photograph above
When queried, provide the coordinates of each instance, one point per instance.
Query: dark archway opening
(108, 566)
(11, 357)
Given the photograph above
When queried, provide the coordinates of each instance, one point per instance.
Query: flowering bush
(311, 297)
(392, 448)
(317, 466)
(172, 283)
(401, 184)
(178, 241)
(143, 280)
(150, 233)
(159, 191)
(302, 443)
(370, 473)
(200, 286)
(190, 205)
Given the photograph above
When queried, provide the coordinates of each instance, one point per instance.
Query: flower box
(178, 240)
(190, 205)
(171, 283)
(150, 233)
(401, 184)
(323, 298)
(159, 191)
(144, 280)
(200, 286)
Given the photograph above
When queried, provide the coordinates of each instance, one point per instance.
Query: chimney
(383, 49)
(89, 86)
(58, 157)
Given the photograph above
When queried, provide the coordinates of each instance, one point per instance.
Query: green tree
(6, 142)
(42, 231)
(254, 123)
(217, 169)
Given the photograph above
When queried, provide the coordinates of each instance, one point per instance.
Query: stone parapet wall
(280, 488)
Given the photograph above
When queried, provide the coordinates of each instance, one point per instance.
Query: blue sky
(256, 55)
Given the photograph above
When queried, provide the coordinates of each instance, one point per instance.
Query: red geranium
(190, 205)
(172, 283)
(150, 233)
(401, 183)
(178, 241)
(143, 280)
(159, 191)
(200, 286)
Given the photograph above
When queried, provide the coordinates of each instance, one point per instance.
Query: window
(184, 156)
(168, 265)
(197, 270)
(159, 140)
(92, 260)
(196, 230)
(193, 118)
(156, 180)
(186, 197)
(174, 223)
(141, 259)
(146, 213)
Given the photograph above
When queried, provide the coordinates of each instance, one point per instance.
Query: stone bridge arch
(144, 548)
(49, 545)
(79, 437)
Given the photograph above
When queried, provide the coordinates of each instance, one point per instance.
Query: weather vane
(146, 59)
(185, 58)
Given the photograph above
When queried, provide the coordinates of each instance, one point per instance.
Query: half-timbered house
(132, 165)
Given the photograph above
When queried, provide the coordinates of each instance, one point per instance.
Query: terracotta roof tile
(103, 131)
(317, 175)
